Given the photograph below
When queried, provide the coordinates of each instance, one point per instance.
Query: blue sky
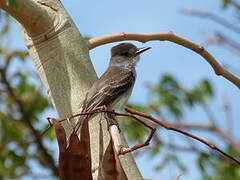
(95, 18)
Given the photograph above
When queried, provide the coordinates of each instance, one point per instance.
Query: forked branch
(133, 113)
(169, 127)
(114, 131)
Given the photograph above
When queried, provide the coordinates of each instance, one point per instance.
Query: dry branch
(114, 131)
(161, 123)
(213, 17)
(169, 127)
(223, 40)
(234, 3)
(167, 36)
(209, 127)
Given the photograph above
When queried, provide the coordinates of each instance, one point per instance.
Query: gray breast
(122, 100)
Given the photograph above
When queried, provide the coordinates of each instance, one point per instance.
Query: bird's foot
(111, 121)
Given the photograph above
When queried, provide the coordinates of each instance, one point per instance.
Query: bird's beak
(141, 50)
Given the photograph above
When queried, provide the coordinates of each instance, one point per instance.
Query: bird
(113, 89)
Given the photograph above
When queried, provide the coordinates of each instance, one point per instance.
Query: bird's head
(126, 55)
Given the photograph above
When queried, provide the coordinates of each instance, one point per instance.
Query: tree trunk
(61, 56)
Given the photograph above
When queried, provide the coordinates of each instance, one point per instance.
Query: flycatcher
(114, 87)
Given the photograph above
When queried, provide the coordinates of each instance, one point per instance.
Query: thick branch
(167, 36)
(32, 15)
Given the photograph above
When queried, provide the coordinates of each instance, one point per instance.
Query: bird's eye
(126, 54)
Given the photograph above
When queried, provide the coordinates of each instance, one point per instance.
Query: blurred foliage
(21, 104)
(225, 3)
(218, 169)
(169, 99)
(170, 157)
(169, 95)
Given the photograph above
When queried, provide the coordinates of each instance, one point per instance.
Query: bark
(61, 56)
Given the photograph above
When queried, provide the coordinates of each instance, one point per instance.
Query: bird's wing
(111, 85)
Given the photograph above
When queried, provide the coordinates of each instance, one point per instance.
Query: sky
(96, 18)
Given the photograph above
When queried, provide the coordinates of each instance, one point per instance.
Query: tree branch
(221, 39)
(167, 36)
(32, 15)
(165, 125)
(169, 127)
(234, 3)
(228, 118)
(181, 124)
(214, 18)
(212, 128)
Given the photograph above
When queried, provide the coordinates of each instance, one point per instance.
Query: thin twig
(226, 42)
(167, 36)
(213, 17)
(115, 133)
(228, 118)
(169, 127)
(163, 124)
(172, 146)
(234, 3)
(211, 127)
(9, 56)
(209, 114)
(181, 124)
